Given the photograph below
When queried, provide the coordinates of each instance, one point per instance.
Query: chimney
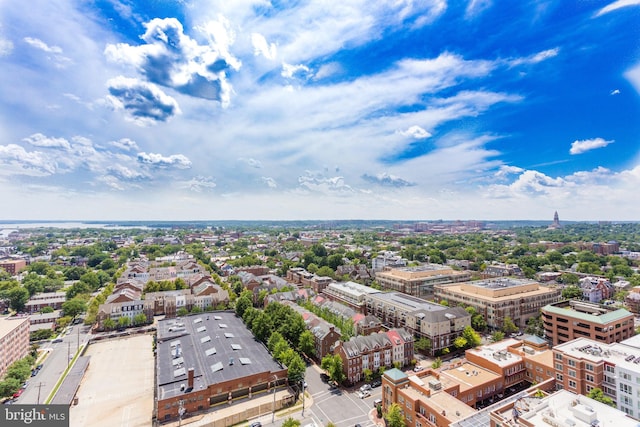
(190, 379)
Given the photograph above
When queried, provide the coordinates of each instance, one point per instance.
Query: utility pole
(39, 387)
(273, 414)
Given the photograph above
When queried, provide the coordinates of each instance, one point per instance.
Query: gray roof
(224, 350)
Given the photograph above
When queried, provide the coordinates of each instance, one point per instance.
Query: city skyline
(195, 110)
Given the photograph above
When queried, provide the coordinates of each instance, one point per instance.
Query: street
(54, 364)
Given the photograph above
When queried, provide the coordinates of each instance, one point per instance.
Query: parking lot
(117, 389)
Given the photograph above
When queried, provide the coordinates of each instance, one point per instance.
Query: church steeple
(556, 221)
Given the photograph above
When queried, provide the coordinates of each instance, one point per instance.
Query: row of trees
(292, 337)
(17, 373)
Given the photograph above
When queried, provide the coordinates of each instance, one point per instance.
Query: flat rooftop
(622, 355)
(594, 313)
(566, 408)
(217, 345)
(8, 324)
(498, 352)
(408, 302)
(442, 402)
(352, 288)
(469, 376)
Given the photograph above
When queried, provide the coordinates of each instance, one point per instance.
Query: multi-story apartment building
(516, 360)
(48, 299)
(561, 408)
(351, 294)
(129, 309)
(566, 320)
(420, 281)
(382, 349)
(325, 334)
(14, 340)
(502, 270)
(13, 266)
(496, 299)
(302, 277)
(438, 323)
(584, 364)
(387, 260)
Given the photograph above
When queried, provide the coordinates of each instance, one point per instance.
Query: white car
(365, 387)
(364, 393)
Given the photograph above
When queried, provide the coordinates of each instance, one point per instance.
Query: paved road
(54, 365)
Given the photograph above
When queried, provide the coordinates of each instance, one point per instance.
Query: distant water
(11, 226)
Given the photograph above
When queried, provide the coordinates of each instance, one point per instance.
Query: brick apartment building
(48, 299)
(419, 281)
(351, 294)
(382, 349)
(325, 335)
(496, 299)
(567, 320)
(14, 340)
(438, 323)
(13, 266)
(584, 364)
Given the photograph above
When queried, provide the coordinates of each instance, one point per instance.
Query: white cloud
(476, 7)
(257, 164)
(387, 180)
(261, 47)
(615, 92)
(39, 44)
(535, 58)
(40, 140)
(125, 144)
(633, 76)
(289, 70)
(173, 59)
(415, 132)
(506, 170)
(579, 147)
(617, 5)
(270, 182)
(318, 183)
(176, 160)
(25, 162)
(144, 103)
(6, 47)
(199, 184)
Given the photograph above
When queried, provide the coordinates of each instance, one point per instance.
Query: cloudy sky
(250, 109)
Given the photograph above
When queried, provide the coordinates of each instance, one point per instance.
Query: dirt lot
(117, 389)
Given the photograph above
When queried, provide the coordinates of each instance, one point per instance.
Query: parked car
(364, 393)
(324, 377)
(365, 387)
(418, 368)
(376, 383)
(18, 393)
(256, 424)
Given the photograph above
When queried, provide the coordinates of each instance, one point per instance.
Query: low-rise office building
(14, 340)
(497, 299)
(567, 320)
(438, 323)
(209, 359)
(420, 281)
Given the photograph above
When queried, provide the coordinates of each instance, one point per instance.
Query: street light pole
(304, 389)
(273, 414)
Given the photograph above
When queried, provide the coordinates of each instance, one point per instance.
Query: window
(558, 356)
(558, 366)
(559, 377)
(588, 367)
(626, 389)
(572, 384)
(571, 362)
(572, 373)
(589, 377)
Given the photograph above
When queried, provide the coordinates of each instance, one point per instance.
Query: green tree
(508, 327)
(18, 297)
(333, 365)
(422, 344)
(478, 323)
(306, 344)
(74, 306)
(460, 342)
(597, 394)
(123, 322)
(243, 303)
(572, 292)
(9, 386)
(368, 374)
(77, 288)
(394, 416)
(47, 309)
(262, 326)
(139, 319)
(182, 311)
(471, 336)
(109, 324)
(290, 422)
(296, 369)
(497, 336)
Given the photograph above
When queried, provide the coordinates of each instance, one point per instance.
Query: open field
(117, 389)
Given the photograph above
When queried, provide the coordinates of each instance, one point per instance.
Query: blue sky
(249, 109)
